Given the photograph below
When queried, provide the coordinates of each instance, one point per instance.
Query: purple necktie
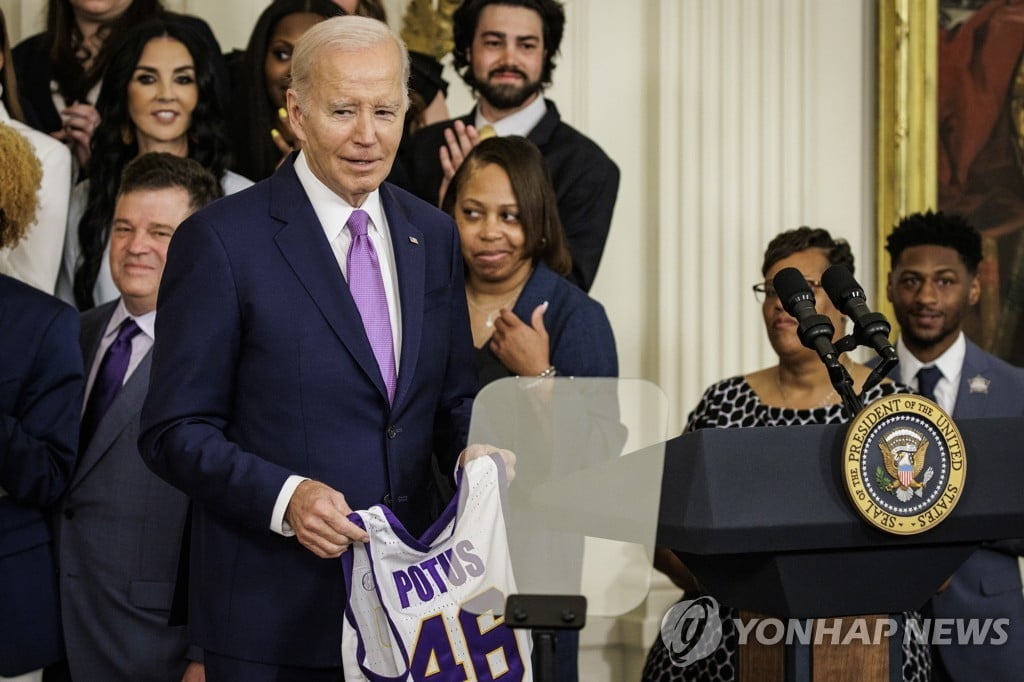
(109, 379)
(367, 287)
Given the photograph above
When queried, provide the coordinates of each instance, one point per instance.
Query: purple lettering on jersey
(403, 585)
(419, 581)
(432, 642)
(452, 569)
(482, 643)
(474, 564)
(430, 566)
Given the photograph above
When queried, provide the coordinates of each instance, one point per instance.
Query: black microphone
(870, 329)
(814, 329)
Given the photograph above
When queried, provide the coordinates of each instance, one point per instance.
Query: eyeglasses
(766, 290)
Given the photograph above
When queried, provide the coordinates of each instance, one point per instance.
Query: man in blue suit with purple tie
(313, 354)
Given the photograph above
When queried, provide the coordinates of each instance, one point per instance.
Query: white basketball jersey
(430, 609)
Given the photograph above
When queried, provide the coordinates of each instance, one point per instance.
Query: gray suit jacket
(118, 534)
(988, 584)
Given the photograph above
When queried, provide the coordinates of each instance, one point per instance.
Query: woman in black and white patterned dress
(794, 392)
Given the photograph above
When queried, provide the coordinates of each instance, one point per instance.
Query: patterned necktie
(109, 379)
(927, 378)
(367, 287)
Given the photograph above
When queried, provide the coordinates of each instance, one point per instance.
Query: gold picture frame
(907, 159)
(972, 161)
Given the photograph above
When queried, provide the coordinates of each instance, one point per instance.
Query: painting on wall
(951, 136)
(981, 153)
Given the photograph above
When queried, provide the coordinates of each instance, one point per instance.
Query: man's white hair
(343, 33)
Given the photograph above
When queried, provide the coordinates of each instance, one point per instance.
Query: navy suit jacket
(40, 405)
(580, 336)
(988, 584)
(1003, 395)
(586, 183)
(262, 369)
(118, 533)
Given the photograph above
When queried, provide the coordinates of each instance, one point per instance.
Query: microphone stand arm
(880, 372)
(843, 383)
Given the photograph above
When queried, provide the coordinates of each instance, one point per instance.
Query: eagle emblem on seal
(903, 453)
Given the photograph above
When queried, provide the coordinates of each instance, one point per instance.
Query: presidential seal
(904, 464)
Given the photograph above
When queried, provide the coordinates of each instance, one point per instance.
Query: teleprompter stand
(589, 461)
(544, 614)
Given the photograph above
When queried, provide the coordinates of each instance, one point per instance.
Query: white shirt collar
(146, 322)
(519, 123)
(950, 363)
(333, 211)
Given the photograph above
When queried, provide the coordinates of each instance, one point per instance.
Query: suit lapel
(126, 407)
(545, 128)
(94, 324)
(971, 405)
(408, 245)
(304, 246)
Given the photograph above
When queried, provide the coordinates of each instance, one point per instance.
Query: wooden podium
(762, 518)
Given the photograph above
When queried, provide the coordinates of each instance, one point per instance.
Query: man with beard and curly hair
(505, 51)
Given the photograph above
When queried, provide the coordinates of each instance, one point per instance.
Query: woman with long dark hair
(260, 136)
(60, 70)
(159, 94)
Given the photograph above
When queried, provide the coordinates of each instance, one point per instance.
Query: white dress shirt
(519, 123)
(950, 363)
(333, 213)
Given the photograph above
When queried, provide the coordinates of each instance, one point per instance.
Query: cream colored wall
(730, 120)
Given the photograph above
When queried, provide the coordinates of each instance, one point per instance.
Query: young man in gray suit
(118, 527)
(932, 285)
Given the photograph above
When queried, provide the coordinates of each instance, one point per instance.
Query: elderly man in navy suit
(313, 355)
(118, 527)
(932, 284)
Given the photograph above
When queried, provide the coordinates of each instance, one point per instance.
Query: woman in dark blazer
(527, 319)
